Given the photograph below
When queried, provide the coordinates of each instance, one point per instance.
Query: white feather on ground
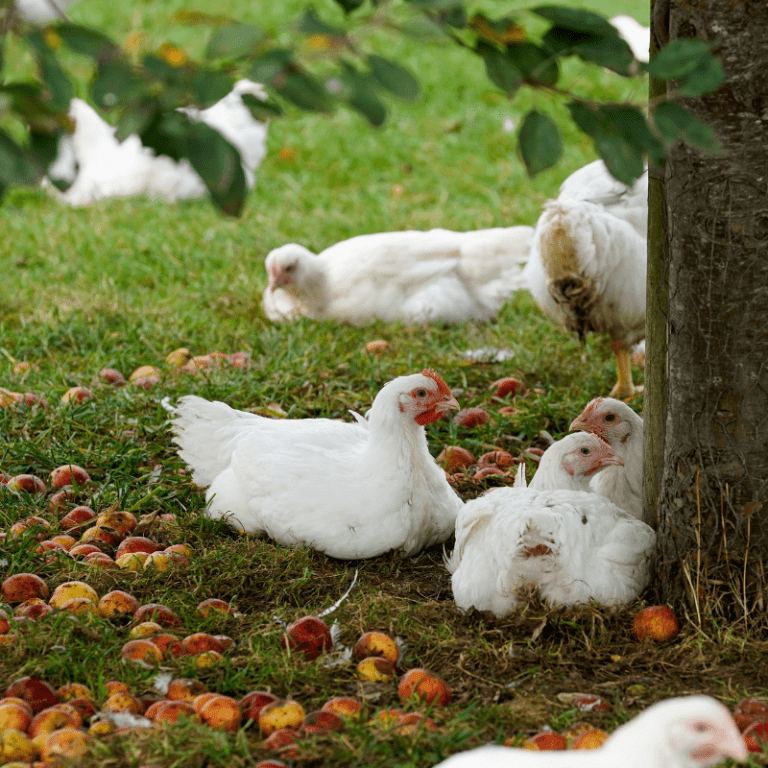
(683, 732)
(412, 276)
(622, 428)
(98, 166)
(351, 490)
(588, 261)
(555, 536)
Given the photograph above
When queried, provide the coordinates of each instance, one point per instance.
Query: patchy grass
(122, 283)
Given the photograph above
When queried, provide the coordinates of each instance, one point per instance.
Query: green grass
(122, 283)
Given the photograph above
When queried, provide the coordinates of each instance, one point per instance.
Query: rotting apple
(69, 474)
(310, 635)
(425, 685)
(375, 669)
(22, 586)
(280, 714)
(656, 622)
(378, 644)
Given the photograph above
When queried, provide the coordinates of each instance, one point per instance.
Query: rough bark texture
(713, 516)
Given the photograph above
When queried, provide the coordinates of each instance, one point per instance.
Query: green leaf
(233, 42)
(269, 66)
(88, 42)
(311, 24)
(534, 62)
(539, 141)
(136, 119)
(394, 78)
(435, 5)
(424, 30)
(369, 105)
(261, 110)
(606, 51)
(622, 156)
(634, 128)
(57, 81)
(576, 19)
(16, 164)
(676, 122)
(708, 76)
(31, 105)
(303, 90)
(678, 58)
(210, 85)
(219, 165)
(500, 69)
(45, 146)
(350, 5)
(116, 83)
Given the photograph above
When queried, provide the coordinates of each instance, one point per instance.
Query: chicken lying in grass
(351, 490)
(411, 276)
(684, 732)
(588, 262)
(617, 424)
(572, 545)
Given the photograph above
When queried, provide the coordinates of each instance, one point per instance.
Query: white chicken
(683, 732)
(43, 11)
(636, 35)
(411, 276)
(351, 490)
(571, 544)
(617, 424)
(97, 166)
(588, 261)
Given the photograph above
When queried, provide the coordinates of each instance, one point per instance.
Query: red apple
(471, 417)
(69, 474)
(76, 395)
(132, 544)
(507, 387)
(159, 613)
(222, 713)
(37, 693)
(756, 736)
(112, 376)
(320, 721)
(344, 706)
(593, 739)
(79, 517)
(309, 635)
(454, 458)
(546, 740)
(656, 622)
(252, 703)
(22, 586)
(422, 684)
(749, 710)
(376, 644)
(213, 605)
(281, 740)
(27, 484)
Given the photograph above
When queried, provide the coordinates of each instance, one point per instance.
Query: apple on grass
(14, 715)
(78, 517)
(454, 458)
(222, 713)
(376, 644)
(282, 740)
(69, 474)
(141, 652)
(173, 711)
(346, 707)
(756, 736)
(184, 689)
(74, 691)
(375, 669)
(422, 684)
(158, 612)
(309, 635)
(593, 739)
(122, 701)
(252, 703)
(37, 693)
(280, 714)
(546, 741)
(70, 589)
(22, 586)
(119, 603)
(320, 721)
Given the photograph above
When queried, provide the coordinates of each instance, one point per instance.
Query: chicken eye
(700, 727)
(586, 451)
(290, 267)
(610, 417)
(422, 393)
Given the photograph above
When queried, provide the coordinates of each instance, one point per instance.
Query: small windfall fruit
(656, 622)
(422, 684)
(309, 635)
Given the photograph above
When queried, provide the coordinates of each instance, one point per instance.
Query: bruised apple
(376, 644)
(321, 721)
(656, 622)
(422, 684)
(309, 635)
(222, 713)
(471, 417)
(37, 693)
(69, 474)
(26, 483)
(344, 706)
(455, 458)
(280, 714)
(22, 586)
(117, 602)
(593, 739)
(252, 703)
(546, 740)
(70, 589)
(375, 669)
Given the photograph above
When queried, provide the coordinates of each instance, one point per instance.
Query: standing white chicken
(617, 424)
(98, 166)
(573, 545)
(411, 276)
(683, 732)
(351, 490)
(588, 261)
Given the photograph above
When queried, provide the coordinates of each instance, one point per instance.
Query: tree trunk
(712, 511)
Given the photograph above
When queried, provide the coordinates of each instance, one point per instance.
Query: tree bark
(712, 511)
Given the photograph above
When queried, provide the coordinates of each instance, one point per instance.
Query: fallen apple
(37, 693)
(22, 586)
(13, 715)
(141, 652)
(199, 642)
(593, 739)
(112, 376)
(119, 519)
(309, 635)
(756, 736)
(507, 386)
(425, 685)
(79, 517)
(750, 710)
(178, 357)
(103, 533)
(376, 644)
(145, 370)
(70, 589)
(344, 706)
(159, 613)
(26, 483)
(222, 713)
(320, 721)
(145, 629)
(471, 417)
(117, 603)
(546, 740)
(376, 347)
(282, 740)
(122, 701)
(455, 458)
(173, 711)
(212, 606)
(252, 703)
(70, 691)
(279, 715)
(76, 395)
(656, 622)
(500, 459)
(15, 745)
(184, 689)
(69, 474)
(375, 669)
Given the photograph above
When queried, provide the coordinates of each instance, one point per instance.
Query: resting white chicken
(411, 276)
(617, 424)
(571, 544)
(351, 490)
(683, 732)
(97, 166)
(588, 261)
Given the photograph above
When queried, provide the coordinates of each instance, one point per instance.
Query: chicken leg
(624, 387)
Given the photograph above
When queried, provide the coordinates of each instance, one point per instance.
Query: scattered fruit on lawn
(376, 644)
(112, 376)
(376, 347)
(70, 589)
(141, 652)
(422, 684)
(756, 736)
(656, 622)
(222, 713)
(280, 714)
(507, 387)
(471, 417)
(310, 635)
(117, 602)
(320, 721)
(69, 474)
(212, 606)
(252, 703)
(375, 669)
(454, 458)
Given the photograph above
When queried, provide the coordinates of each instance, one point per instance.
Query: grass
(122, 283)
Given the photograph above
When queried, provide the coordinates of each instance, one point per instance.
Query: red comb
(441, 385)
(592, 405)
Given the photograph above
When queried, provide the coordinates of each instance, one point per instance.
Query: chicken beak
(577, 423)
(447, 403)
(613, 460)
